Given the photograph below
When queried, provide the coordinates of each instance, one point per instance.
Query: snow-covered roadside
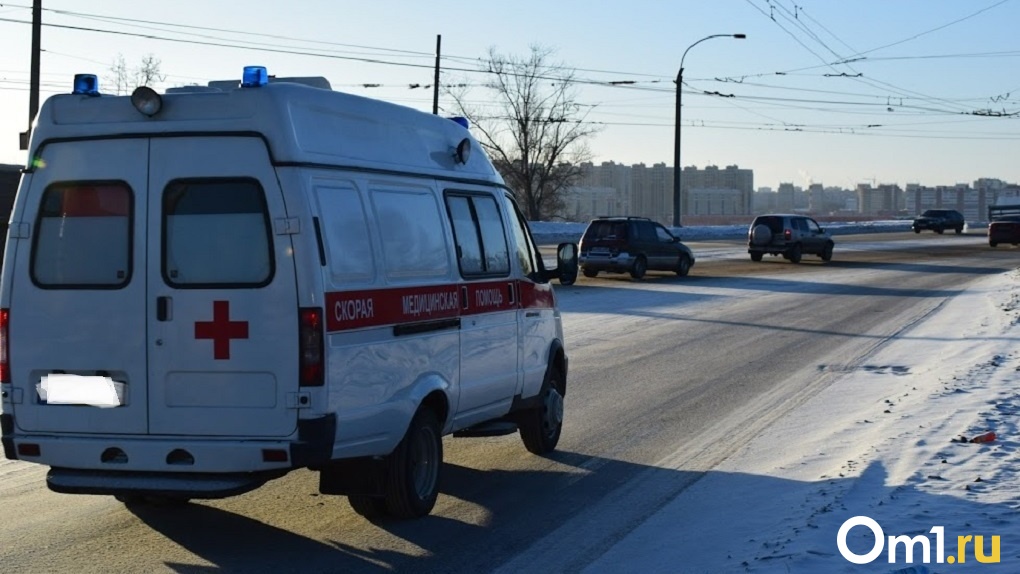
(883, 442)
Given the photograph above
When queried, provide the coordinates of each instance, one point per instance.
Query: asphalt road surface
(668, 376)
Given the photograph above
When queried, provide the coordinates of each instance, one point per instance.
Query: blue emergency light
(254, 76)
(86, 85)
(462, 121)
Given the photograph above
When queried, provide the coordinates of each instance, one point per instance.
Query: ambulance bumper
(163, 484)
(121, 454)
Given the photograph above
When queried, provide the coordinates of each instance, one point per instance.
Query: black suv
(788, 235)
(939, 220)
(632, 245)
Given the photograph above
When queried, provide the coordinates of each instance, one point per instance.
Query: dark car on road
(788, 235)
(1003, 224)
(1004, 230)
(632, 245)
(939, 220)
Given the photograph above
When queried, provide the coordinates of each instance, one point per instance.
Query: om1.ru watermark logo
(975, 543)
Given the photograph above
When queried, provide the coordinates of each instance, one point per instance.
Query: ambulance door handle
(164, 309)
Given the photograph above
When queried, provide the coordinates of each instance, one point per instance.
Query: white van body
(246, 281)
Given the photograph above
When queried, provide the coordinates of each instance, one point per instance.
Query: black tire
(794, 253)
(590, 273)
(916, 230)
(993, 243)
(371, 507)
(959, 230)
(541, 426)
(939, 230)
(684, 266)
(826, 254)
(756, 256)
(413, 468)
(637, 271)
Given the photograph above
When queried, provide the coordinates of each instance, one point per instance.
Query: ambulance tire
(413, 468)
(371, 507)
(540, 427)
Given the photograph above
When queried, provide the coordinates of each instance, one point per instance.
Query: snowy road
(668, 377)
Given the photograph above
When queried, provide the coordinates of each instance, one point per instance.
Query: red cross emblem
(221, 330)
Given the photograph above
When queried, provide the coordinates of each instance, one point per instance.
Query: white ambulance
(205, 289)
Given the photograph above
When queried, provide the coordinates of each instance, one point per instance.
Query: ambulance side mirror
(566, 263)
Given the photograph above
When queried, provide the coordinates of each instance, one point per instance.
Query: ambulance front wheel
(540, 426)
(412, 483)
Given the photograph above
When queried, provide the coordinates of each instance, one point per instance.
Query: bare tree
(532, 127)
(119, 76)
(124, 80)
(148, 73)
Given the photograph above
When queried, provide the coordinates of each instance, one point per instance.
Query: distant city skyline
(870, 181)
(724, 194)
(819, 91)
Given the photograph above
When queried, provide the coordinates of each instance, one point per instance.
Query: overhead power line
(905, 104)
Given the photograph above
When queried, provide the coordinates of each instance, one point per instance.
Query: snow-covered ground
(889, 442)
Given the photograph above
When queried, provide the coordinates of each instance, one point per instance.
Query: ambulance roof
(301, 124)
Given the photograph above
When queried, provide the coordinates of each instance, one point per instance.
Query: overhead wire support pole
(435, 84)
(676, 132)
(33, 91)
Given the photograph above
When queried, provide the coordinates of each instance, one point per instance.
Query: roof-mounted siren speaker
(146, 101)
(463, 151)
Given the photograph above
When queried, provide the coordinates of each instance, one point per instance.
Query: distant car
(1004, 230)
(939, 220)
(632, 245)
(791, 236)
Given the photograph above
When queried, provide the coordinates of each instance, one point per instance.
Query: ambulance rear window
(216, 234)
(83, 236)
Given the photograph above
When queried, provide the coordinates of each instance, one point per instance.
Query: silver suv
(788, 235)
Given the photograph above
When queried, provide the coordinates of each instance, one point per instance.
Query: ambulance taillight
(310, 347)
(5, 366)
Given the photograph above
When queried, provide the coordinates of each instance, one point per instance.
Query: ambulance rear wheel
(412, 484)
(540, 426)
(371, 507)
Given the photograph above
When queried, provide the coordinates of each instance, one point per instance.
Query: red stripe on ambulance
(369, 308)
(347, 310)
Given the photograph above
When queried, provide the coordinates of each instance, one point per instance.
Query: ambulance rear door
(223, 340)
(78, 289)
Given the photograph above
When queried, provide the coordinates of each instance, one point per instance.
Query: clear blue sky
(926, 68)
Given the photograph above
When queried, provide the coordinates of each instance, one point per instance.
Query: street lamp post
(676, 138)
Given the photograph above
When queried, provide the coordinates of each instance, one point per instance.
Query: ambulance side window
(527, 256)
(216, 233)
(478, 231)
(409, 223)
(83, 236)
(345, 231)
